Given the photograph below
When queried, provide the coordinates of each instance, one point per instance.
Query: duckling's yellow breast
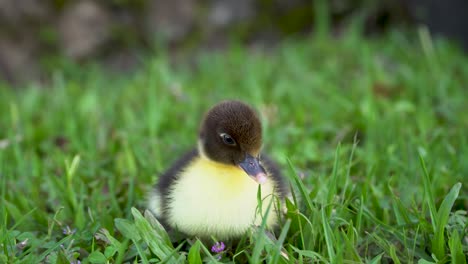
(212, 199)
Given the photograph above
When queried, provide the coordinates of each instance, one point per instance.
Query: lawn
(371, 132)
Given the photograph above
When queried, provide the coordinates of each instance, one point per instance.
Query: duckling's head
(231, 133)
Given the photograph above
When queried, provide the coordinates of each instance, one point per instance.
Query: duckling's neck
(221, 174)
(219, 165)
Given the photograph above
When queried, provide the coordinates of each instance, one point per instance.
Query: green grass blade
(314, 256)
(208, 253)
(329, 238)
(194, 253)
(332, 189)
(279, 242)
(151, 237)
(260, 237)
(393, 255)
(456, 249)
(377, 259)
(429, 194)
(298, 184)
(438, 242)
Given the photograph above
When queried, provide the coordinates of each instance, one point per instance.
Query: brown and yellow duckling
(212, 191)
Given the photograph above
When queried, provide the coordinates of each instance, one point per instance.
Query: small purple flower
(68, 231)
(218, 247)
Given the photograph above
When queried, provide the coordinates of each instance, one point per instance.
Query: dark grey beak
(252, 167)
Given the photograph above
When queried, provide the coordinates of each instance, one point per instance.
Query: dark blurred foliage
(35, 36)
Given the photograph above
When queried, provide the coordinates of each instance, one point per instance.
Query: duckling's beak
(252, 167)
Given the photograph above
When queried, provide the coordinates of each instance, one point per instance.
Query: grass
(377, 129)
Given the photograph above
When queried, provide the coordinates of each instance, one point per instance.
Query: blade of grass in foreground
(376, 259)
(332, 190)
(456, 249)
(208, 253)
(310, 254)
(328, 237)
(260, 239)
(429, 194)
(298, 184)
(194, 253)
(279, 242)
(54, 247)
(151, 236)
(438, 242)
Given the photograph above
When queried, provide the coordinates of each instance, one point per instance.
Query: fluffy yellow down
(212, 199)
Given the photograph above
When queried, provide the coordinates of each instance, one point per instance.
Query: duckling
(212, 190)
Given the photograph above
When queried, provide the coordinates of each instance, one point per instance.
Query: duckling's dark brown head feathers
(229, 131)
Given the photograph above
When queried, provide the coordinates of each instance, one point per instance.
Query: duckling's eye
(227, 139)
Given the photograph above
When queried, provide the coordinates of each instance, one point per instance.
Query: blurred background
(38, 37)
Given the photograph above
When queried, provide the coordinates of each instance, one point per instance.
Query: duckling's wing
(157, 199)
(275, 173)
